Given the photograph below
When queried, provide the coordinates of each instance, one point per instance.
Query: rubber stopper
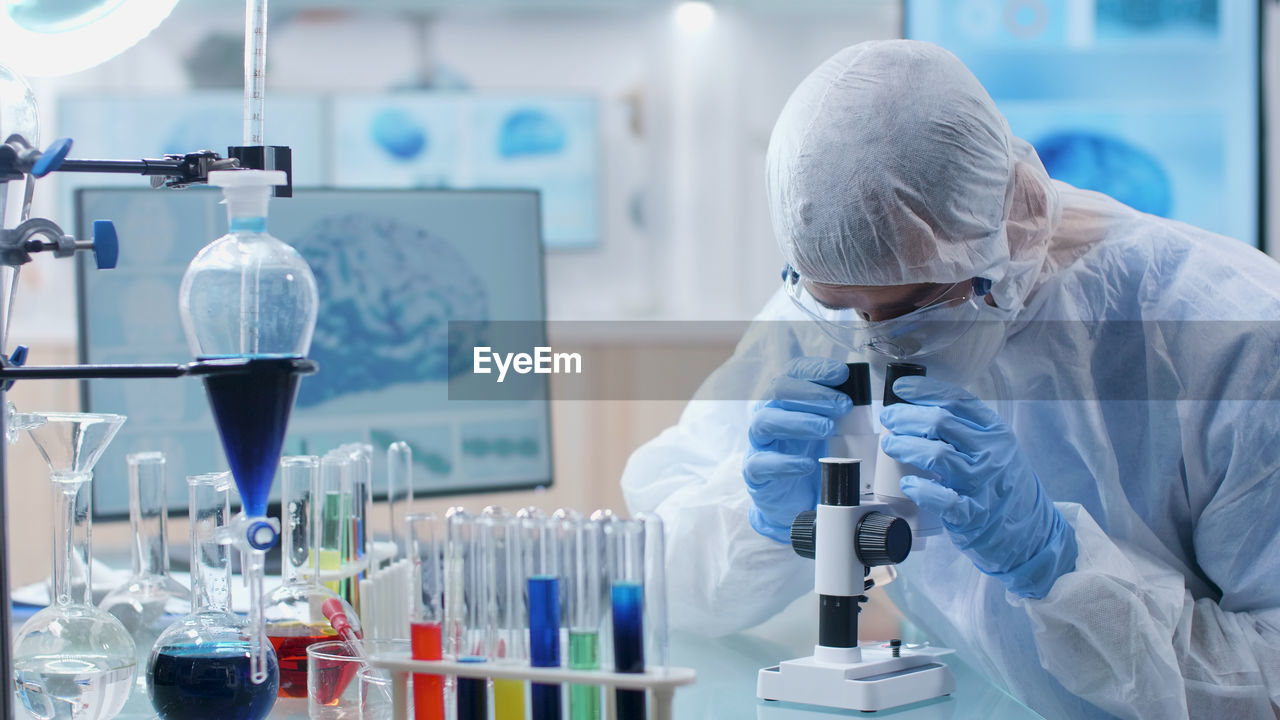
(333, 612)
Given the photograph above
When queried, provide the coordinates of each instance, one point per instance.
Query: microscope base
(878, 682)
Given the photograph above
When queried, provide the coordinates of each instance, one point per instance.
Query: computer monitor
(1154, 102)
(393, 268)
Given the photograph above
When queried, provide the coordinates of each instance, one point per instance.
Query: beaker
(151, 599)
(292, 612)
(72, 660)
(201, 667)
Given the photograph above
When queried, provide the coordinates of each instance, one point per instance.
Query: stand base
(878, 682)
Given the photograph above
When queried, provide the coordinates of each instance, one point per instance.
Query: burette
(255, 68)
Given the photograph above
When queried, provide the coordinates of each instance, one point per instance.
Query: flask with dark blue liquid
(201, 666)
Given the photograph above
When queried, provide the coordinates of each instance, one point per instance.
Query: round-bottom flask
(292, 612)
(73, 662)
(151, 599)
(200, 669)
(294, 622)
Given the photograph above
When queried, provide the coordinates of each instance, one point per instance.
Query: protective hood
(891, 165)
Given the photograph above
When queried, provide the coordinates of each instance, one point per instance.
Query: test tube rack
(661, 683)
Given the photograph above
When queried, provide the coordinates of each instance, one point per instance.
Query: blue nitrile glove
(988, 497)
(788, 433)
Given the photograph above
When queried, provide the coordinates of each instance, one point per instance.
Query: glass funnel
(72, 660)
(248, 295)
(292, 612)
(201, 666)
(151, 599)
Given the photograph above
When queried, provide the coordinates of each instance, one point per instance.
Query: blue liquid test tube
(467, 610)
(540, 547)
(624, 543)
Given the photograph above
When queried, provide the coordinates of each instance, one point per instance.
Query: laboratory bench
(726, 685)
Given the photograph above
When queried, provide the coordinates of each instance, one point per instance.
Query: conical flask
(151, 599)
(71, 659)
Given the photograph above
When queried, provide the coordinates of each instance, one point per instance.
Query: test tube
(466, 609)
(334, 483)
(502, 552)
(540, 547)
(399, 491)
(297, 476)
(583, 548)
(360, 545)
(428, 612)
(655, 589)
(624, 543)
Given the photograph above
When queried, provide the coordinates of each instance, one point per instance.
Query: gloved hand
(788, 433)
(989, 499)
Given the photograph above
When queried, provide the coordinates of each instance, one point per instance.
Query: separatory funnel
(71, 659)
(249, 300)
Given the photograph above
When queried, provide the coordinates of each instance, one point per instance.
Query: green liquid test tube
(333, 468)
(584, 654)
(584, 556)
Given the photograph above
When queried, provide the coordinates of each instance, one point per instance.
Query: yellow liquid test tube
(508, 700)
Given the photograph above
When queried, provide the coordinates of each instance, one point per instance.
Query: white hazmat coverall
(1140, 373)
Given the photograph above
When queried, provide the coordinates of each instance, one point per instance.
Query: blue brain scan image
(529, 131)
(1110, 165)
(384, 316)
(1121, 18)
(399, 133)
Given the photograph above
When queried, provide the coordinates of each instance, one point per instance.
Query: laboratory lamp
(40, 38)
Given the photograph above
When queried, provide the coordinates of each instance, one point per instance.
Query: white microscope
(862, 521)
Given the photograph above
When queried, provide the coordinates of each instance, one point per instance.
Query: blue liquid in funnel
(252, 410)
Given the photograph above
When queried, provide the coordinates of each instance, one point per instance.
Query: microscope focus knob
(880, 539)
(804, 538)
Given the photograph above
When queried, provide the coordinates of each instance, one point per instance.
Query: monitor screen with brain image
(393, 268)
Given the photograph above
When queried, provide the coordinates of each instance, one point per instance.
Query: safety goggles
(918, 327)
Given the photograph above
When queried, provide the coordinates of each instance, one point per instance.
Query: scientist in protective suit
(1111, 505)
